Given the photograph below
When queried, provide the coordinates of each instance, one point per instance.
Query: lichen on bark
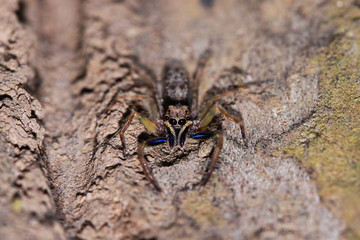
(328, 144)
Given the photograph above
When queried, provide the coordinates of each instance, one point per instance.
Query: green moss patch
(328, 145)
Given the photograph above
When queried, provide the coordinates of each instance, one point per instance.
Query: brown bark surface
(63, 173)
(27, 208)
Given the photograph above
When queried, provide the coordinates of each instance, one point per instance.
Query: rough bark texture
(27, 208)
(63, 173)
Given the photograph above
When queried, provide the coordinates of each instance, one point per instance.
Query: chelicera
(179, 119)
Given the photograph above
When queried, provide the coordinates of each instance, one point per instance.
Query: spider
(179, 119)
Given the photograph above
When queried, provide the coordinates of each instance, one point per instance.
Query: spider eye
(182, 121)
(188, 118)
(172, 121)
(167, 118)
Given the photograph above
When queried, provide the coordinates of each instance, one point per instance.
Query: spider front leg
(144, 163)
(149, 125)
(209, 115)
(219, 144)
(153, 109)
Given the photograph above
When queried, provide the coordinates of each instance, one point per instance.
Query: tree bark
(63, 172)
(27, 207)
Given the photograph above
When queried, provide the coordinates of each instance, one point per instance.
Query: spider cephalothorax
(179, 120)
(178, 123)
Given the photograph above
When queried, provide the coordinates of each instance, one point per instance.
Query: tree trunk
(63, 171)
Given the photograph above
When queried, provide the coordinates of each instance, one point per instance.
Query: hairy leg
(212, 100)
(212, 112)
(145, 73)
(153, 109)
(217, 97)
(219, 144)
(204, 58)
(145, 165)
(149, 125)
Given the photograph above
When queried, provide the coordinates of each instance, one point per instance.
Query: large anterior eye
(172, 121)
(182, 121)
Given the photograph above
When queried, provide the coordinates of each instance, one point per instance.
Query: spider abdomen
(176, 85)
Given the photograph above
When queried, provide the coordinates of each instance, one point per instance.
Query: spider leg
(153, 109)
(204, 58)
(144, 72)
(219, 144)
(211, 113)
(219, 96)
(238, 89)
(149, 125)
(144, 163)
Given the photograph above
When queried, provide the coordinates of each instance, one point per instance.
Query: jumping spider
(180, 119)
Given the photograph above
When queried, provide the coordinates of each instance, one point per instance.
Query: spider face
(178, 122)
